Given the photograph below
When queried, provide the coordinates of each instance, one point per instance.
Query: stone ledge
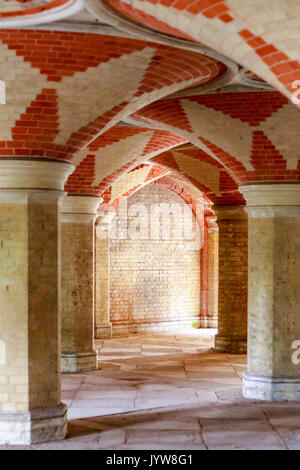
(230, 213)
(230, 345)
(209, 321)
(280, 194)
(271, 388)
(103, 331)
(34, 174)
(77, 204)
(78, 362)
(33, 427)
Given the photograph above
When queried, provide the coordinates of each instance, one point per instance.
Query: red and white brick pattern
(262, 35)
(116, 152)
(64, 89)
(244, 131)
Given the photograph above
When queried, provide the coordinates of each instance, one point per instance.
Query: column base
(78, 362)
(209, 322)
(230, 345)
(33, 427)
(270, 388)
(103, 331)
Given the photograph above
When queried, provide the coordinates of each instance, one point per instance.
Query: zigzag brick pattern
(243, 131)
(263, 38)
(55, 106)
(103, 161)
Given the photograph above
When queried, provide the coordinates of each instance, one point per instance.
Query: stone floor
(170, 391)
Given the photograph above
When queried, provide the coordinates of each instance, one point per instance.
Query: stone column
(30, 198)
(204, 279)
(78, 218)
(274, 294)
(213, 271)
(233, 279)
(103, 327)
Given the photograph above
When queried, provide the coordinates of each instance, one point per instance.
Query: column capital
(230, 212)
(273, 194)
(75, 207)
(104, 223)
(34, 174)
(212, 225)
(206, 205)
(104, 218)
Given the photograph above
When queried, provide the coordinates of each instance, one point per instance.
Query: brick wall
(154, 284)
(29, 305)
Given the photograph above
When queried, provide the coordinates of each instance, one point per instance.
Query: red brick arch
(92, 174)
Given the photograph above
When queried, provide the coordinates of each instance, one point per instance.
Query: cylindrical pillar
(30, 198)
(274, 295)
(233, 279)
(204, 278)
(103, 327)
(213, 271)
(78, 218)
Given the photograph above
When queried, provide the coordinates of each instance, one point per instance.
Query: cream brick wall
(274, 295)
(233, 279)
(213, 275)
(29, 307)
(77, 286)
(154, 284)
(102, 284)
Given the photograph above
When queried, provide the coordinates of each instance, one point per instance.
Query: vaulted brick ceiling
(64, 89)
(253, 134)
(69, 85)
(130, 182)
(113, 154)
(142, 176)
(194, 170)
(36, 11)
(263, 35)
(203, 172)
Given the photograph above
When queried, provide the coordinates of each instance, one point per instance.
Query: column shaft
(274, 295)
(30, 407)
(233, 279)
(103, 327)
(213, 271)
(204, 280)
(78, 217)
